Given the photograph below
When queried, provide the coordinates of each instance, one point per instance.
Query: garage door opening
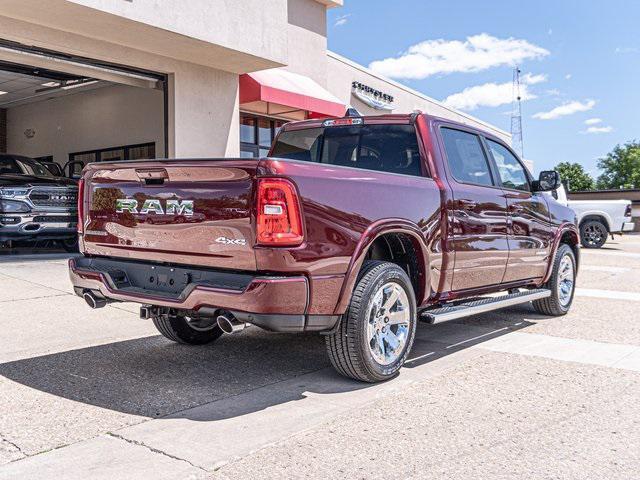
(63, 114)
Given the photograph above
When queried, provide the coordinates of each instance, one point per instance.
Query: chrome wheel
(389, 316)
(566, 280)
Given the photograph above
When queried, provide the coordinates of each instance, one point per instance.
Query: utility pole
(516, 115)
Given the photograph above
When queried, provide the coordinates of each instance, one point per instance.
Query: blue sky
(581, 56)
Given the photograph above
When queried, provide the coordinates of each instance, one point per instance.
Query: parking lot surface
(508, 394)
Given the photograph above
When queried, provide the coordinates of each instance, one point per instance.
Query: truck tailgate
(194, 212)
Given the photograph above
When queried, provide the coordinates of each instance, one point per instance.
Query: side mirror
(547, 181)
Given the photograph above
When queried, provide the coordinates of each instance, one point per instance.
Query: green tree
(621, 167)
(578, 179)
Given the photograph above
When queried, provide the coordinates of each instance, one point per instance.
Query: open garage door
(57, 114)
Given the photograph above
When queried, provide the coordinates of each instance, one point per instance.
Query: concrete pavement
(510, 394)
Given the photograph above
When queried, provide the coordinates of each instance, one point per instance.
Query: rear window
(384, 148)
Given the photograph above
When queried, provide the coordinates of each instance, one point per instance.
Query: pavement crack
(154, 450)
(13, 444)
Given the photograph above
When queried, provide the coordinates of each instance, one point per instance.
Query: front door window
(511, 171)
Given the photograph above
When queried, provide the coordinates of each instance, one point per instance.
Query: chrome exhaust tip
(93, 300)
(230, 324)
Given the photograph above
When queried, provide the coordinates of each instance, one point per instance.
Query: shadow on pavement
(153, 377)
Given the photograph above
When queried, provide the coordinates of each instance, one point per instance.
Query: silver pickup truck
(36, 205)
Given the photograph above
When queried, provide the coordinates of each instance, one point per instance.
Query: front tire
(562, 284)
(593, 234)
(187, 330)
(376, 333)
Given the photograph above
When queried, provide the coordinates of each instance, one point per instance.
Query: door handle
(467, 204)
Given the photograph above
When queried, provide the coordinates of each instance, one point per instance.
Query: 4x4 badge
(231, 241)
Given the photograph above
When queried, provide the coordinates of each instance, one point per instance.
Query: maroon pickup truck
(355, 228)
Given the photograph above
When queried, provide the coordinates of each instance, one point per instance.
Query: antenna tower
(516, 115)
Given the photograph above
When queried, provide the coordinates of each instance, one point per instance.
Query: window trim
(495, 165)
(256, 147)
(483, 147)
(98, 151)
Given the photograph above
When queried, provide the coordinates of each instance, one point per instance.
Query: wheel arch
(596, 216)
(396, 234)
(567, 234)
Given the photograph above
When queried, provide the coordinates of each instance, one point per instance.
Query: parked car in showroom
(35, 205)
(597, 219)
(355, 228)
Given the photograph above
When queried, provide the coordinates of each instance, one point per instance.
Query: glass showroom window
(257, 134)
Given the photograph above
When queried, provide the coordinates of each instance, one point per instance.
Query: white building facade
(92, 80)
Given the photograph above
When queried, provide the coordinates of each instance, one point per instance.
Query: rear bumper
(276, 303)
(628, 227)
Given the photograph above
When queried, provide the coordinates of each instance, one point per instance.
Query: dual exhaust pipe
(226, 321)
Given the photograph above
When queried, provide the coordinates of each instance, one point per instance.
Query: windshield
(385, 148)
(23, 166)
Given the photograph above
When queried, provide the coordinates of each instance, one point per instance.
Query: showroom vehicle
(597, 219)
(35, 204)
(355, 228)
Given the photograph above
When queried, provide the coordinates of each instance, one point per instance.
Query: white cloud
(568, 76)
(342, 20)
(566, 109)
(592, 130)
(626, 50)
(593, 121)
(530, 79)
(493, 94)
(476, 53)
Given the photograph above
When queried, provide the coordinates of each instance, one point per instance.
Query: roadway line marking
(611, 294)
(594, 268)
(586, 253)
(477, 337)
(614, 355)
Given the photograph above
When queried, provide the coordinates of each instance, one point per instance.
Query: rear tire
(183, 330)
(593, 234)
(70, 245)
(562, 284)
(375, 335)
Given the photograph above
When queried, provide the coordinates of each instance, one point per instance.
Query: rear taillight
(627, 211)
(279, 219)
(81, 205)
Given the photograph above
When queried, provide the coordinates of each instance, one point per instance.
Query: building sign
(372, 97)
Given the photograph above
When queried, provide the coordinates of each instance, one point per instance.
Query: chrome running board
(453, 312)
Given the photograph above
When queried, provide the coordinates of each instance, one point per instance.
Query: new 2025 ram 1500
(354, 228)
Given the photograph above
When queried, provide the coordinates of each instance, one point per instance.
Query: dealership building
(97, 80)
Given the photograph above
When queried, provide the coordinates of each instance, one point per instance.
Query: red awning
(279, 92)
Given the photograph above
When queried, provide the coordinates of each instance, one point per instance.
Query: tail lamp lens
(279, 219)
(81, 206)
(628, 211)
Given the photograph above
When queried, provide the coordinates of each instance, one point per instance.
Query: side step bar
(444, 314)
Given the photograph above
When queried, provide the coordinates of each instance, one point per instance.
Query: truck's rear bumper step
(444, 314)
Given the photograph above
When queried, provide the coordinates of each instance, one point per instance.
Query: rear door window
(466, 158)
(384, 148)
